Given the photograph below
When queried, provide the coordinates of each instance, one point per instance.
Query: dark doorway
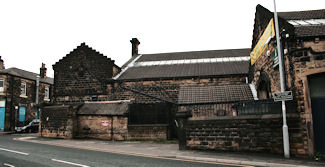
(317, 95)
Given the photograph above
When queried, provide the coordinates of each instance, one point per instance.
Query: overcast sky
(36, 31)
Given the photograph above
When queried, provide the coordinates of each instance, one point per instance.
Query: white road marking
(70, 163)
(17, 152)
(8, 165)
(24, 138)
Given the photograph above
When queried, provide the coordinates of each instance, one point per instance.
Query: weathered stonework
(82, 75)
(245, 133)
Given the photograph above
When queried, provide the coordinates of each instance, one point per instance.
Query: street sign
(283, 96)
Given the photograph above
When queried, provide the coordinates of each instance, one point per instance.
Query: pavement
(165, 151)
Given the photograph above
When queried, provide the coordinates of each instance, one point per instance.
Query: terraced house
(21, 94)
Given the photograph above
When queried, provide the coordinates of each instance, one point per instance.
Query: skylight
(191, 61)
(309, 22)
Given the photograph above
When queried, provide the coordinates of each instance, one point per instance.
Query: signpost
(286, 148)
(283, 96)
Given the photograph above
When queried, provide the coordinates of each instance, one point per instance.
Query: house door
(2, 114)
(317, 95)
(22, 113)
(37, 113)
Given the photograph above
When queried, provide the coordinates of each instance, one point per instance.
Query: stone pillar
(181, 124)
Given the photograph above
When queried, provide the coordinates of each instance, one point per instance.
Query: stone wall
(102, 127)
(166, 89)
(246, 133)
(302, 58)
(12, 96)
(147, 132)
(58, 121)
(83, 72)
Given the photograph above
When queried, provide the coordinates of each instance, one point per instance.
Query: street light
(285, 126)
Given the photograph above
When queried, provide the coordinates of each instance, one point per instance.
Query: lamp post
(285, 126)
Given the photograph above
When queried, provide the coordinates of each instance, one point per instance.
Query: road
(25, 154)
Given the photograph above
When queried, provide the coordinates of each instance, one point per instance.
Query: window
(2, 81)
(47, 92)
(23, 89)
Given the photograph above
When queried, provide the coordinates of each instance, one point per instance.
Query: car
(28, 126)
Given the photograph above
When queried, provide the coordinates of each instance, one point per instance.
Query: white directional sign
(283, 96)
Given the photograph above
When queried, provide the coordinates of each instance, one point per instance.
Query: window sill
(23, 96)
(2, 93)
(46, 99)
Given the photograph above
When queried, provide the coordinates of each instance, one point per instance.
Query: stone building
(303, 42)
(153, 83)
(149, 85)
(82, 75)
(19, 100)
(81, 106)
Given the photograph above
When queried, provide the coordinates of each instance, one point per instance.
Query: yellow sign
(262, 42)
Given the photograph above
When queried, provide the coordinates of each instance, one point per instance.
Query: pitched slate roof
(214, 94)
(197, 69)
(103, 109)
(26, 74)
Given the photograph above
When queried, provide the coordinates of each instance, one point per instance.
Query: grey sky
(36, 31)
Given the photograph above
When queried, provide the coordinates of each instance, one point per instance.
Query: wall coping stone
(265, 116)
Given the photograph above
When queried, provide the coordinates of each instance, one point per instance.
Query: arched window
(263, 86)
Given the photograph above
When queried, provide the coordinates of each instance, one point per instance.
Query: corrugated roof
(306, 30)
(186, 70)
(194, 55)
(310, 31)
(26, 74)
(214, 94)
(103, 109)
(303, 15)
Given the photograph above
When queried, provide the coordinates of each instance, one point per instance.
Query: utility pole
(285, 126)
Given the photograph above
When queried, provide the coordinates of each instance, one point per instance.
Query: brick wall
(246, 133)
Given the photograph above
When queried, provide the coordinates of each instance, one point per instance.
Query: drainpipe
(37, 90)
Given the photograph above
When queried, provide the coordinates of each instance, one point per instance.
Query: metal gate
(317, 94)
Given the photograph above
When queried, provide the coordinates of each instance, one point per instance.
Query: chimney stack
(135, 46)
(43, 71)
(2, 66)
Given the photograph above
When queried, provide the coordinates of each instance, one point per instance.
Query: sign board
(283, 96)
(105, 123)
(262, 42)
(275, 58)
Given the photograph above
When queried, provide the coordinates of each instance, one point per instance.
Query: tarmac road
(25, 154)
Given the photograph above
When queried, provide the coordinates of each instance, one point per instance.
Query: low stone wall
(147, 132)
(255, 133)
(57, 122)
(102, 127)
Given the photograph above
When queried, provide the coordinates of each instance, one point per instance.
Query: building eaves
(26, 74)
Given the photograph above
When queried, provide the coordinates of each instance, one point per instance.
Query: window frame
(47, 93)
(2, 88)
(23, 83)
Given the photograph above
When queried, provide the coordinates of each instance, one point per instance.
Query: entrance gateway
(317, 96)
